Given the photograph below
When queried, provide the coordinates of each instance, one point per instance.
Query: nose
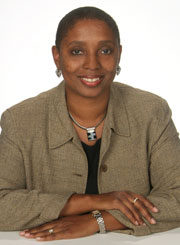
(92, 62)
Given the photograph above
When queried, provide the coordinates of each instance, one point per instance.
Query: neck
(87, 111)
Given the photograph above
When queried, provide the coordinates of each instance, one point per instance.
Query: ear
(56, 56)
(120, 51)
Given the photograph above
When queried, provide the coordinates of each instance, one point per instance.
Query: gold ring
(135, 200)
(51, 231)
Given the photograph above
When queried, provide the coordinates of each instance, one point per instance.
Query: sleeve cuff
(132, 229)
(53, 208)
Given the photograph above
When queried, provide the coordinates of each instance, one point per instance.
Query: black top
(92, 153)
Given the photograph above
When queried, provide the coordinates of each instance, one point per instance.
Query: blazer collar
(117, 116)
(61, 129)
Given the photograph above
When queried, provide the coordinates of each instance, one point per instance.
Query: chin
(95, 93)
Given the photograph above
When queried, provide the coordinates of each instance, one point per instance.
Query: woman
(89, 144)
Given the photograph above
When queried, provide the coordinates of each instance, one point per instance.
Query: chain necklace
(91, 132)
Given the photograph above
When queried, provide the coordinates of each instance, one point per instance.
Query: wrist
(107, 201)
(94, 202)
(111, 222)
(100, 221)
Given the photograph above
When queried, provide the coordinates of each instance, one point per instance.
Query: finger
(38, 229)
(44, 233)
(132, 196)
(140, 207)
(56, 236)
(128, 213)
(148, 204)
(66, 233)
(128, 201)
(144, 211)
(31, 233)
(22, 233)
(50, 237)
(135, 212)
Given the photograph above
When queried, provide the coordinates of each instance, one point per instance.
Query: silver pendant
(91, 134)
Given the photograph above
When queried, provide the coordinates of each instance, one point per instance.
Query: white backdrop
(150, 35)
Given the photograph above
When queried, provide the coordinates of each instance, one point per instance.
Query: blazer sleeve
(164, 172)
(21, 208)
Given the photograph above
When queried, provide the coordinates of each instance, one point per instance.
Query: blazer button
(104, 168)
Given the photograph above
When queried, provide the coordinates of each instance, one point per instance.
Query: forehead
(89, 30)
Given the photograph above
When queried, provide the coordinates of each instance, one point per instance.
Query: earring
(58, 72)
(118, 69)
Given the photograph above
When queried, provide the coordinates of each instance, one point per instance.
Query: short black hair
(70, 19)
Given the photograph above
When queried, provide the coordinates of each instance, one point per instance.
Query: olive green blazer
(42, 161)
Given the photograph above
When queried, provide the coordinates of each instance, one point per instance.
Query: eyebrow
(83, 43)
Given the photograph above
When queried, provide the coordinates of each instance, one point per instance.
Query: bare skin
(72, 227)
(72, 218)
(90, 51)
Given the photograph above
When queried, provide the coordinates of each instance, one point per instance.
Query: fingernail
(136, 223)
(27, 234)
(153, 221)
(38, 238)
(144, 224)
(22, 233)
(155, 209)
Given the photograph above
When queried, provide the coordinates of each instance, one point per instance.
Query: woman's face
(88, 58)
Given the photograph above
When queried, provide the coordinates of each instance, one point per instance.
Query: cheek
(109, 64)
(70, 65)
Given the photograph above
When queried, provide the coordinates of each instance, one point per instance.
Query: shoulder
(30, 112)
(36, 104)
(138, 100)
(134, 94)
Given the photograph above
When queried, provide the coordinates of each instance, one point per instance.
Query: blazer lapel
(116, 119)
(60, 126)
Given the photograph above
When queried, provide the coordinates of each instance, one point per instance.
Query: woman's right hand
(125, 202)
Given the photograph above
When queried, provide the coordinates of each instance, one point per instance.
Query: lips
(91, 81)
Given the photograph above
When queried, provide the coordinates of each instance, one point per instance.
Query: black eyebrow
(76, 43)
(83, 43)
(106, 41)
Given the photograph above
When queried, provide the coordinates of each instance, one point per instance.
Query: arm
(165, 174)
(72, 227)
(20, 207)
(164, 165)
(117, 200)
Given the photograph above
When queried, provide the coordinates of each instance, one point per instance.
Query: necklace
(91, 132)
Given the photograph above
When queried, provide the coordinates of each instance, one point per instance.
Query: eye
(76, 52)
(106, 51)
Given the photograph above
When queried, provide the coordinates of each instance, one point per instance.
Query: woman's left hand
(64, 228)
